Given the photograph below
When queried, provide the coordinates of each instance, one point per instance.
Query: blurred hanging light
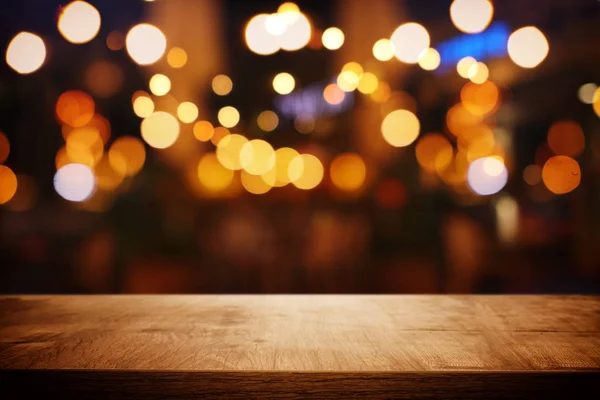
(75, 108)
(213, 176)
(127, 155)
(104, 78)
(203, 131)
(26, 53)
(187, 112)
(258, 39)
(333, 94)
(561, 174)
(464, 65)
(8, 184)
(143, 106)
(430, 59)
(228, 116)
(434, 152)
(256, 184)
(146, 44)
(257, 157)
(267, 120)
(383, 50)
(4, 147)
(74, 182)
(229, 149)
(283, 157)
(410, 40)
(79, 22)
(348, 172)
(478, 73)
(333, 38)
(586, 93)
(400, 128)
(160, 84)
(160, 130)
(177, 57)
(566, 138)
(471, 16)
(284, 83)
(532, 174)
(527, 47)
(306, 171)
(368, 83)
(487, 176)
(222, 85)
(596, 102)
(298, 32)
(480, 99)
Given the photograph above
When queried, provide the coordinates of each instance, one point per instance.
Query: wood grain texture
(380, 347)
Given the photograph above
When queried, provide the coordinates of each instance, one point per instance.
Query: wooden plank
(380, 346)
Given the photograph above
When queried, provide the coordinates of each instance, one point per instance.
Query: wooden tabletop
(317, 346)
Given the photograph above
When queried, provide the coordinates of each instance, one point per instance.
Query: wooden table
(299, 347)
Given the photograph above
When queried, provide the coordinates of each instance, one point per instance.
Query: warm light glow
(160, 84)
(229, 149)
(391, 194)
(459, 119)
(187, 112)
(177, 57)
(400, 128)
(480, 99)
(429, 59)
(212, 175)
(305, 171)
(333, 38)
(79, 22)
(143, 106)
(410, 40)
(382, 93)
(434, 152)
(74, 182)
(8, 184)
(145, 44)
(304, 124)
(487, 176)
(478, 73)
(368, 83)
(160, 130)
(528, 47)
(26, 53)
(228, 116)
(104, 78)
(471, 16)
(383, 50)
(267, 121)
(532, 174)
(258, 39)
(566, 138)
(298, 32)
(586, 93)
(222, 85)
(275, 24)
(4, 148)
(75, 108)
(25, 196)
(348, 172)
(333, 94)
(203, 131)
(107, 177)
(257, 157)
(284, 83)
(283, 157)
(127, 155)
(115, 41)
(85, 146)
(561, 174)
(596, 101)
(464, 65)
(219, 133)
(288, 7)
(348, 81)
(255, 184)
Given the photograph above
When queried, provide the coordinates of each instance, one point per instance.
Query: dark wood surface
(318, 346)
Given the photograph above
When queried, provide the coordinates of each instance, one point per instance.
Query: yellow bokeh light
(480, 99)
(160, 84)
(368, 83)
(203, 131)
(528, 47)
(4, 147)
(8, 184)
(228, 116)
(160, 130)
(79, 22)
(187, 112)
(348, 81)
(26, 53)
(222, 85)
(434, 152)
(464, 65)
(429, 59)
(145, 44)
(127, 155)
(255, 184)
(84, 142)
(257, 157)
(596, 102)
(212, 175)
(382, 93)
(284, 83)
(177, 57)
(566, 138)
(283, 157)
(229, 150)
(383, 50)
(400, 128)
(75, 108)
(333, 38)
(532, 174)
(348, 172)
(267, 121)
(219, 133)
(586, 93)
(561, 174)
(143, 106)
(478, 73)
(410, 40)
(84, 157)
(471, 16)
(107, 177)
(355, 68)
(305, 171)
(459, 119)
(333, 94)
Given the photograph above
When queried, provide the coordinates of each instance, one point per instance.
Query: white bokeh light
(74, 182)
(487, 176)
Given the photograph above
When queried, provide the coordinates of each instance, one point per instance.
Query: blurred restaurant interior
(344, 146)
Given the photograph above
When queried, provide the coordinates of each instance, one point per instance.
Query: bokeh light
(222, 85)
(75, 108)
(464, 65)
(298, 31)
(229, 150)
(304, 123)
(127, 155)
(566, 138)
(219, 133)
(333, 38)
(348, 80)
(177, 57)
(429, 59)
(434, 152)
(160, 130)
(187, 112)
(79, 22)
(480, 99)
(115, 40)
(84, 145)
(306, 171)
(160, 84)
(368, 83)
(478, 73)
(104, 78)
(257, 157)
(75, 182)
(471, 16)
(382, 93)
(143, 106)
(487, 176)
(26, 53)
(212, 175)
(348, 172)
(203, 131)
(586, 93)
(283, 157)
(267, 120)
(107, 177)
(528, 47)
(228, 116)
(532, 174)
(146, 44)
(410, 40)
(4, 147)
(459, 119)
(284, 83)
(25, 196)
(383, 50)
(255, 184)
(400, 128)
(561, 174)
(8, 184)
(333, 94)
(258, 39)
(596, 102)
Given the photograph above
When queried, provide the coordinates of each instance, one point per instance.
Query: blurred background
(347, 146)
